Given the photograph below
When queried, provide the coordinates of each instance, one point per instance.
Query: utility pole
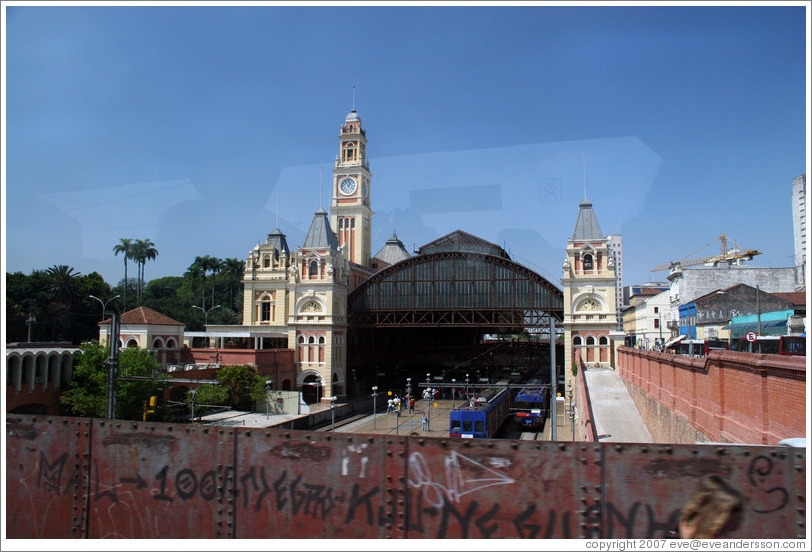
(31, 318)
(554, 382)
(112, 368)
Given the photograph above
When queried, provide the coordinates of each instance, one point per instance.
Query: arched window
(301, 340)
(350, 151)
(604, 340)
(314, 269)
(170, 344)
(132, 343)
(590, 340)
(321, 340)
(576, 340)
(156, 343)
(311, 340)
(588, 262)
(266, 261)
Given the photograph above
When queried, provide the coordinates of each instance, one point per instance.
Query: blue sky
(186, 125)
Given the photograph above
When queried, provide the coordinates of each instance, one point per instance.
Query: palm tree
(149, 254)
(143, 251)
(62, 282)
(208, 264)
(62, 286)
(195, 272)
(235, 268)
(124, 246)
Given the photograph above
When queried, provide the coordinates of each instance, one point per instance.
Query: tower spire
(321, 181)
(585, 196)
(353, 97)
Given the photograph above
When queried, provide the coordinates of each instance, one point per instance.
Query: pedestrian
(397, 404)
(425, 423)
(411, 405)
(390, 404)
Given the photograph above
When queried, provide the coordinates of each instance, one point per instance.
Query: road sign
(751, 336)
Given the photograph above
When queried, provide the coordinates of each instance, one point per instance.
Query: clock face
(589, 305)
(348, 186)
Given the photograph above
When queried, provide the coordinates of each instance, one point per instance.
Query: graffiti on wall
(316, 487)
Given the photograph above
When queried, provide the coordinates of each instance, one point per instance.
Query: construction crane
(729, 251)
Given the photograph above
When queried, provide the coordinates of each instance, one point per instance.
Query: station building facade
(590, 287)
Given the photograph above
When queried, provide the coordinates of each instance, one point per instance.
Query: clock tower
(351, 214)
(589, 281)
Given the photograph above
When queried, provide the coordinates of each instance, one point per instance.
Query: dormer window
(313, 269)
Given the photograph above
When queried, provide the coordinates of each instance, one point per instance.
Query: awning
(751, 326)
(675, 340)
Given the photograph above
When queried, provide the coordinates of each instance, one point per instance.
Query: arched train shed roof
(456, 287)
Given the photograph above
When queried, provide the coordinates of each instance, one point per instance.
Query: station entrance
(460, 309)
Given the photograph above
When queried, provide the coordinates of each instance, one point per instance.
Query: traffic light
(153, 402)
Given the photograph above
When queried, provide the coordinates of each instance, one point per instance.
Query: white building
(799, 219)
(645, 320)
(615, 244)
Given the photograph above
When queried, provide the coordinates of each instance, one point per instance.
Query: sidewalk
(616, 416)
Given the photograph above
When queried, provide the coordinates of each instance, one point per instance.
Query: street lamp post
(409, 387)
(333, 412)
(374, 406)
(453, 392)
(467, 376)
(268, 398)
(103, 303)
(206, 311)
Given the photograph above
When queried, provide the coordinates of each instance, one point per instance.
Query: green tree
(143, 251)
(124, 246)
(242, 384)
(234, 270)
(86, 393)
(194, 274)
(62, 283)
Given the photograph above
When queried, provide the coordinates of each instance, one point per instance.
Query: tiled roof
(320, 235)
(145, 315)
(794, 297)
(586, 227)
(393, 252)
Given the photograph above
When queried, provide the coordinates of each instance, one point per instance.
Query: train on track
(531, 407)
(482, 416)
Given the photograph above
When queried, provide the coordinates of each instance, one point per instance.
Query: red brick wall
(274, 363)
(586, 423)
(729, 396)
(49, 398)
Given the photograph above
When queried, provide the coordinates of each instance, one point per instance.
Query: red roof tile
(145, 315)
(794, 297)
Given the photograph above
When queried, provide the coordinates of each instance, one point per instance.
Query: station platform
(616, 416)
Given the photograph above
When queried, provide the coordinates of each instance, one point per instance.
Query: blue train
(530, 406)
(483, 418)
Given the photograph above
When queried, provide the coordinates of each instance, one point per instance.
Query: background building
(644, 320)
(687, 284)
(615, 244)
(799, 219)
